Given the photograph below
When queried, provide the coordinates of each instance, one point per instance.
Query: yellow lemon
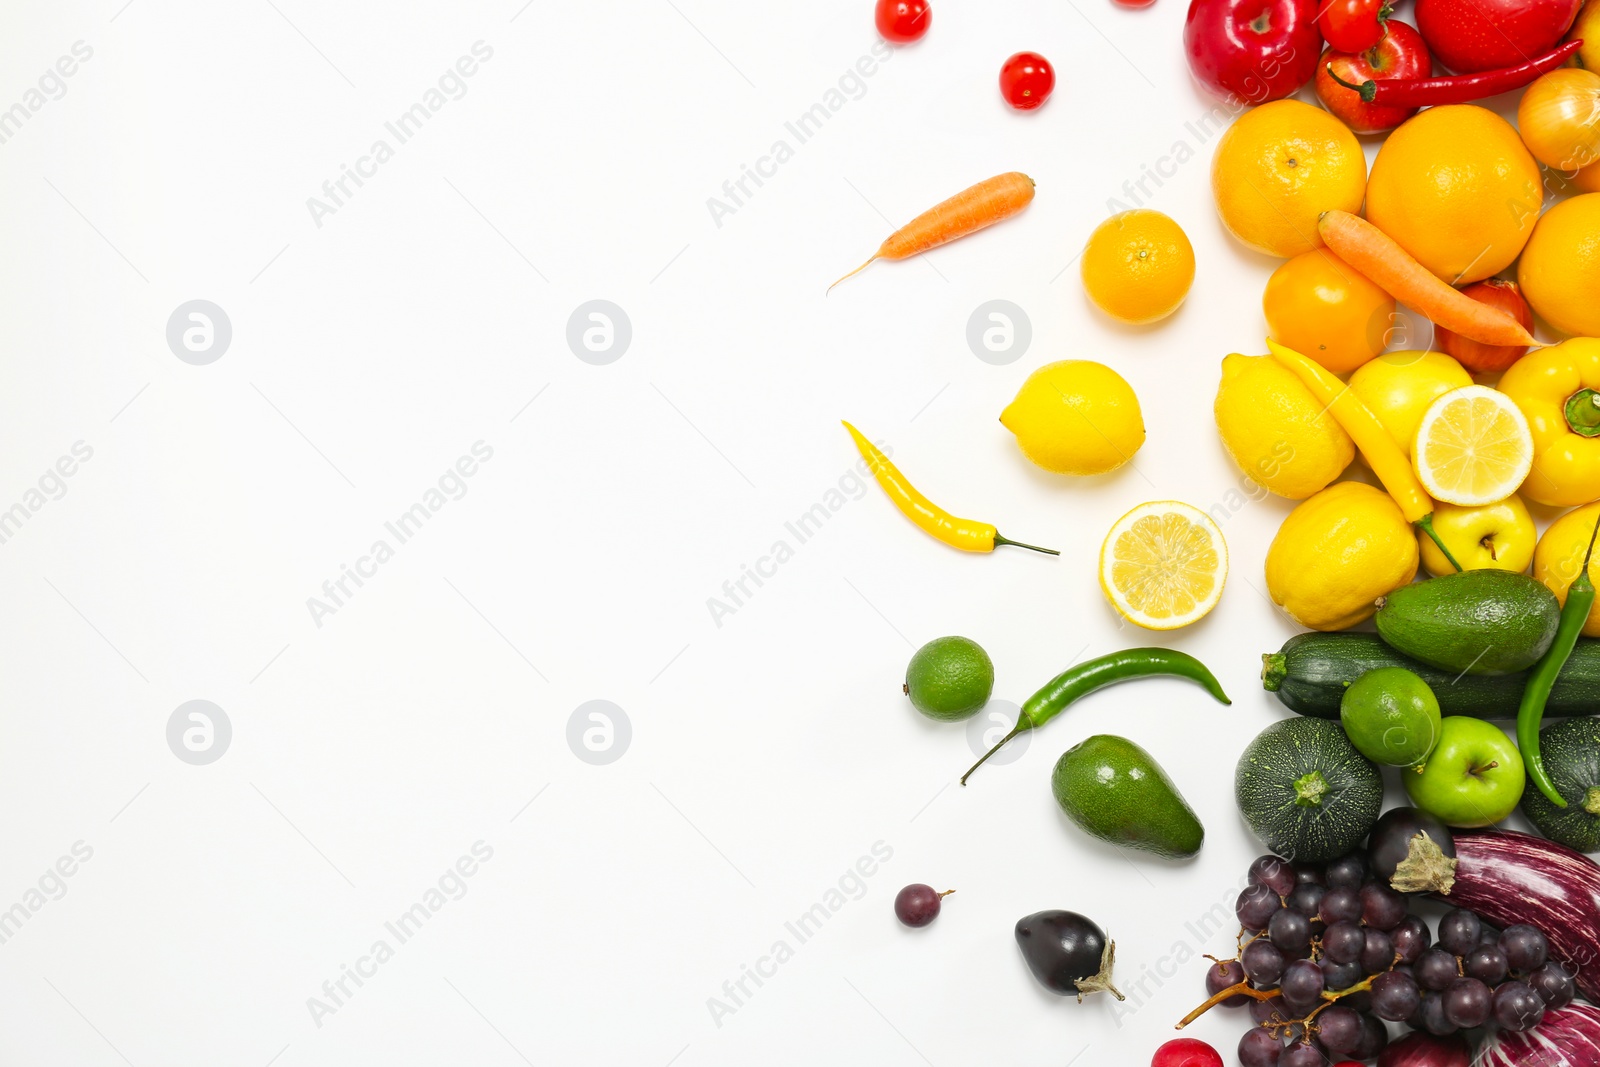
(1138, 266)
(1275, 430)
(1163, 565)
(1473, 447)
(1280, 166)
(1318, 304)
(1076, 417)
(1559, 557)
(1337, 553)
(1560, 268)
(1397, 387)
(1457, 188)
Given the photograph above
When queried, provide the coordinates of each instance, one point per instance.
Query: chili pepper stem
(998, 745)
(1425, 524)
(998, 540)
(1368, 89)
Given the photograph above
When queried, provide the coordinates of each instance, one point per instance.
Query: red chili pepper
(1425, 92)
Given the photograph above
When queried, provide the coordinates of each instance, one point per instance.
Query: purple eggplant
(1568, 1037)
(1424, 1050)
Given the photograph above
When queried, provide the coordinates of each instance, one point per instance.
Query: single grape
(1343, 942)
(1361, 1001)
(1220, 976)
(1309, 872)
(1378, 955)
(1435, 969)
(1255, 906)
(1382, 907)
(1302, 1054)
(1339, 1028)
(1525, 946)
(1433, 1017)
(1411, 938)
(1347, 872)
(1258, 1048)
(1517, 1006)
(1341, 904)
(1340, 975)
(1488, 964)
(1459, 931)
(1307, 899)
(1269, 1011)
(917, 904)
(1274, 873)
(1487, 935)
(1554, 985)
(1290, 931)
(1374, 1039)
(1263, 964)
(1301, 986)
(1395, 996)
(1468, 1003)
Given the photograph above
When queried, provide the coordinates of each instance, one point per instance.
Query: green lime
(1392, 717)
(949, 679)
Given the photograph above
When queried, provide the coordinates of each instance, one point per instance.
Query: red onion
(1568, 1037)
(1424, 1050)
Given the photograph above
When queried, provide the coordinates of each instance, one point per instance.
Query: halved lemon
(1473, 447)
(1163, 565)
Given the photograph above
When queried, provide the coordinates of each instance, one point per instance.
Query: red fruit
(1133, 3)
(902, 21)
(1026, 80)
(1424, 1050)
(1475, 355)
(1252, 51)
(1473, 35)
(1186, 1052)
(1401, 55)
(1353, 25)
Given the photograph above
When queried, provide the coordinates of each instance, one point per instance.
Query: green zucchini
(1305, 790)
(1571, 754)
(1310, 673)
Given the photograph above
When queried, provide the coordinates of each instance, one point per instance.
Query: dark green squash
(1571, 754)
(1306, 791)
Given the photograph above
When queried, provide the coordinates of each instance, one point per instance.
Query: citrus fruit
(1337, 553)
(1280, 166)
(1319, 305)
(1397, 387)
(1275, 430)
(1559, 557)
(1473, 447)
(1456, 187)
(1163, 565)
(1076, 417)
(1138, 266)
(1498, 536)
(1391, 716)
(949, 679)
(1560, 268)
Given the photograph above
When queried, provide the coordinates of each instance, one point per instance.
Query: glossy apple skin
(1474, 35)
(1252, 51)
(1475, 355)
(1473, 778)
(1402, 55)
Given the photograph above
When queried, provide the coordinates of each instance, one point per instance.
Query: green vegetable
(1085, 678)
(1580, 598)
(1306, 791)
(949, 679)
(1479, 622)
(1571, 752)
(1311, 672)
(1116, 791)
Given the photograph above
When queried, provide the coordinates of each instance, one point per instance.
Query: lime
(949, 678)
(1392, 717)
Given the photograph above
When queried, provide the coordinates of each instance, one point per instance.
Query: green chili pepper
(1084, 678)
(1580, 598)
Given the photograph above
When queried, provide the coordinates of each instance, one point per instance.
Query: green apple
(1473, 777)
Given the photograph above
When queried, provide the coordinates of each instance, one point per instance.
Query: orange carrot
(1378, 256)
(970, 210)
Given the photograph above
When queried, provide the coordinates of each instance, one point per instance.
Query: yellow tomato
(1320, 306)
(1398, 387)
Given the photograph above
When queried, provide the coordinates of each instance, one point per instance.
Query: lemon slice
(1163, 565)
(1473, 447)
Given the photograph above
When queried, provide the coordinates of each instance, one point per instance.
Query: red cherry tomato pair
(1353, 25)
(1026, 79)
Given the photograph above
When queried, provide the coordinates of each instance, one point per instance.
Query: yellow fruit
(1163, 565)
(1397, 387)
(1560, 269)
(1473, 447)
(1456, 187)
(1586, 179)
(1497, 536)
(1076, 417)
(1559, 557)
(1280, 166)
(1586, 28)
(1276, 431)
(1138, 266)
(1337, 553)
(1559, 118)
(1320, 306)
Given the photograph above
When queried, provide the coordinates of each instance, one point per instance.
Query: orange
(1560, 268)
(1319, 305)
(1138, 266)
(1280, 166)
(1457, 188)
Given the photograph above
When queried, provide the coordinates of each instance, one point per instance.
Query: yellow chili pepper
(1388, 462)
(1558, 389)
(965, 534)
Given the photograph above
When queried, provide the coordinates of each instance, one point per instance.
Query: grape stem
(1238, 989)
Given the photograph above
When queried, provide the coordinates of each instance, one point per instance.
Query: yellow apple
(1495, 536)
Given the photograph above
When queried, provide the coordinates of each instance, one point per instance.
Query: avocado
(1477, 622)
(1116, 791)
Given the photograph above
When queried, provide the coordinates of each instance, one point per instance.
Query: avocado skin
(1479, 622)
(1114, 790)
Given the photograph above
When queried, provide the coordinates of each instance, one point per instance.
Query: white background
(768, 753)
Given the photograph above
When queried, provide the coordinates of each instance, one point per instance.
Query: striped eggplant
(1509, 877)
(1567, 1037)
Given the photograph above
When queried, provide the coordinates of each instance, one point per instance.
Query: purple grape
(1256, 906)
(1487, 964)
(1381, 907)
(1378, 955)
(1262, 963)
(1411, 938)
(1517, 1006)
(1347, 872)
(1341, 904)
(1274, 873)
(1459, 932)
(1339, 1029)
(1307, 899)
(1395, 996)
(1468, 1003)
(1290, 931)
(1302, 1054)
(1311, 873)
(1435, 970)
(1343, 942)
(1220, 976)
(1258, 1048)
(917, 904)
(1269, 1011)
(1374, 1039)
(1338, 976)
(1488, 935)
(1525, 946)
(1554, 984)
(1301, 986)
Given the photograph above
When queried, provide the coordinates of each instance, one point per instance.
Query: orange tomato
(1320, 306)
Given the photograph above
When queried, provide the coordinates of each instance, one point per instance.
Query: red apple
(1475, 355)
(1473, 35)
(1252, 51)
(1402, 54)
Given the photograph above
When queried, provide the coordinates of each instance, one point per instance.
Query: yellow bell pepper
(1558, 389)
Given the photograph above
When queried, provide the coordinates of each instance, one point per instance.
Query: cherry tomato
(1026, 80)
(1186, 1052)
(902, 21)
(1353, 25)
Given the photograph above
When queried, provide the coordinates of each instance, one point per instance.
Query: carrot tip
(852, 274)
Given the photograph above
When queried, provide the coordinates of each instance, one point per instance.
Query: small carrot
(990, 201)
(1393, 269)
